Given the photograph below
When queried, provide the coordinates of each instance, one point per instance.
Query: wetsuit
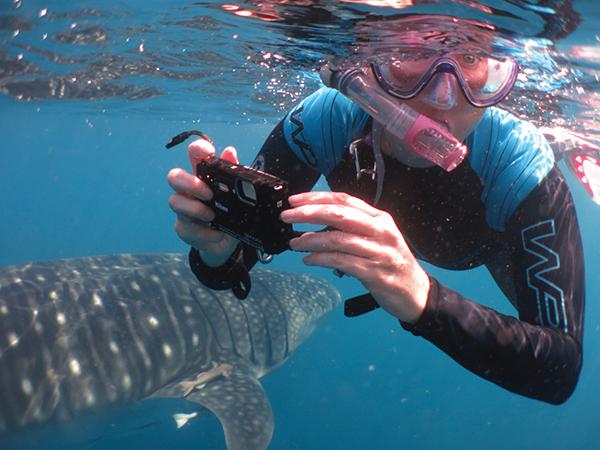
(507, 207)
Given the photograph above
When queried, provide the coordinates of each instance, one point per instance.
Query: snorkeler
(399, 196)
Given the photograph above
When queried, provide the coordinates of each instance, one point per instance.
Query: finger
(198, 150)
(194, 209)
(230, 154)
(336, 241)
(185, 183)
(343, 218)
(196, 234)
(334, 198)
(349, 264)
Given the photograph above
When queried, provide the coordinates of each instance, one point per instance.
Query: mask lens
(486, 79)
(404, 71)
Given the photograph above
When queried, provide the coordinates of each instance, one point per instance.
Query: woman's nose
(442, 90)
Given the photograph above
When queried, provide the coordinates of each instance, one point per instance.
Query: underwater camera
(246, 201)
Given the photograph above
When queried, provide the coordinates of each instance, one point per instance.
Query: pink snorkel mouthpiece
(432, 141)
(420, 134)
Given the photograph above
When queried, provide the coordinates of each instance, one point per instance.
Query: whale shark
(84, 334)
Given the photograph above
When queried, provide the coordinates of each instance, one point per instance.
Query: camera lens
(246, 192)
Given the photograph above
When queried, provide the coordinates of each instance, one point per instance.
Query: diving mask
(484, 79)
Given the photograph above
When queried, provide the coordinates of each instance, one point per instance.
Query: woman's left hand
(366, 244)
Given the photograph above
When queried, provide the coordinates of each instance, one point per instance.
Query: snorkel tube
(420, 134)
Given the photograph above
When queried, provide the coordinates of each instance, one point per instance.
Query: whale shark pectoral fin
(240, 403)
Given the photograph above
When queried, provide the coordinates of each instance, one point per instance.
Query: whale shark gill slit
(274, 301)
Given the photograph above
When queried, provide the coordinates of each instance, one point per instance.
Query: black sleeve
(276, 158)
(539, 266)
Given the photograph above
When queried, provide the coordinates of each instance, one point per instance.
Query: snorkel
(420, 134)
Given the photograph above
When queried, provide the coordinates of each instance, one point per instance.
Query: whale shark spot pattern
(83, 334)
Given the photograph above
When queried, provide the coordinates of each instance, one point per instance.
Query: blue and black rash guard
(507, 207)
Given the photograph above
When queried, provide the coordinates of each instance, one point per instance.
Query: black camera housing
(247, 204)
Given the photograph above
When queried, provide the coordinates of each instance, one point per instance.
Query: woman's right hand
(193, 215)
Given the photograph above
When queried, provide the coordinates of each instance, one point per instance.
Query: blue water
(85, 174)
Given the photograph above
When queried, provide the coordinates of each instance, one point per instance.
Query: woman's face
(443, 100)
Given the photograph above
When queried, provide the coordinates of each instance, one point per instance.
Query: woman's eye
(469, 59)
